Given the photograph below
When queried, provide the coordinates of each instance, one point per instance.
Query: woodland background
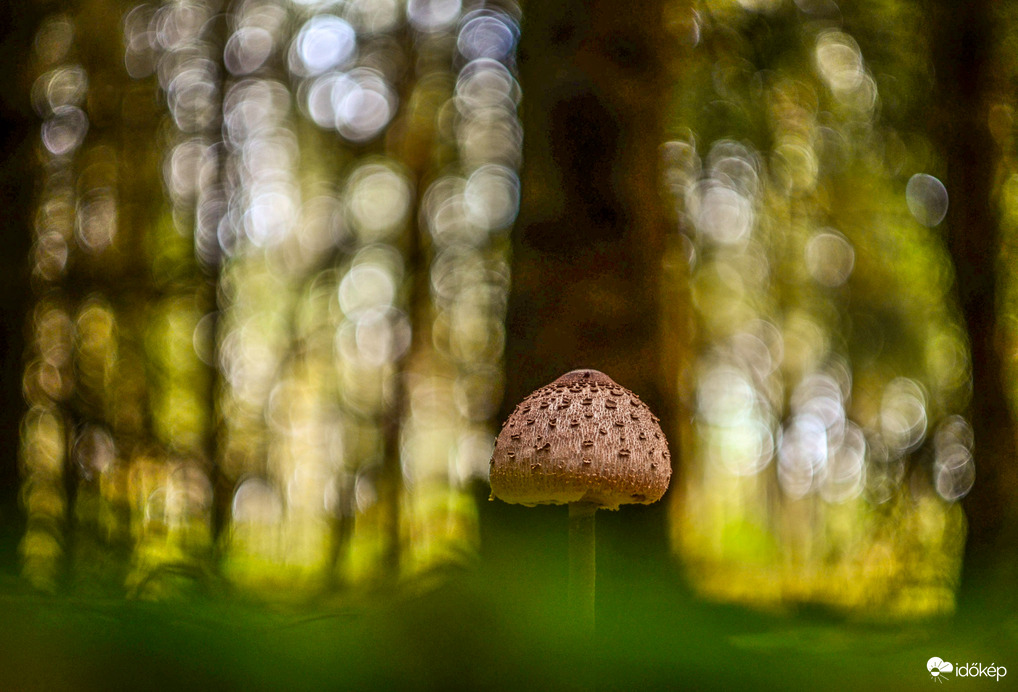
(275, 271)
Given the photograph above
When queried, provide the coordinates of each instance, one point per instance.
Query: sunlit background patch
(270, 255)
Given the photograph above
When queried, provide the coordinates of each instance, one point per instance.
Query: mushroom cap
(582, 438)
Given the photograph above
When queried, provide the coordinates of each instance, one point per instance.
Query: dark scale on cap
(584, 463)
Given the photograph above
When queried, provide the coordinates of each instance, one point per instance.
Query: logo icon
(938, 667)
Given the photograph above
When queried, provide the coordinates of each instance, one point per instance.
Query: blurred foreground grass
(497, 624)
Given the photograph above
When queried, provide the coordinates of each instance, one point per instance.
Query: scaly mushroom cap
(582, 438)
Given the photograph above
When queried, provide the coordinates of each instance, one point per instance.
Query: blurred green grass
(498, 624)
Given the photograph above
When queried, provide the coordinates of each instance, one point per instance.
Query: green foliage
(501, 625)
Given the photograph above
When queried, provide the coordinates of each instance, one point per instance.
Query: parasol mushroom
(587, 442)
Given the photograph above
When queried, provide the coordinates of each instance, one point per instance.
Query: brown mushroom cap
(582, 438)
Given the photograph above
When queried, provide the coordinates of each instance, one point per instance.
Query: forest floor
(499, 624)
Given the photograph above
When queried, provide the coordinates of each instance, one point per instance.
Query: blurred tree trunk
(18, 22)
(963, 38)
(222, 483)
(588, 250)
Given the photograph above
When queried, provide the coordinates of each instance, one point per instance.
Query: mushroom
(587, 442)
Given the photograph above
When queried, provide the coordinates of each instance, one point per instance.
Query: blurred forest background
(276, 269)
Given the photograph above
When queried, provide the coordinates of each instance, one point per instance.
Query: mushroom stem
(581, 564)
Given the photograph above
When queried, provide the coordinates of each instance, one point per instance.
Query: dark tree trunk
(588, 248)
(222, 482)
(963, 39)
(18, 126)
